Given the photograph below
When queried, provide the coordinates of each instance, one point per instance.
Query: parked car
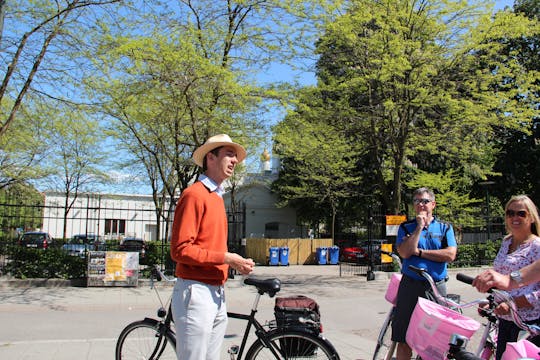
(133, 244)
(80, 244)
(36, 239)
(353, 254)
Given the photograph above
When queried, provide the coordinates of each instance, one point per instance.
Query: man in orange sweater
(199, 248)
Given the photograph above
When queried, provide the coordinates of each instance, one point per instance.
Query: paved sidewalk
(83, 323)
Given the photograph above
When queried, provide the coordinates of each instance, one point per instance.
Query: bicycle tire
(145, 339)
(292, 345)
(385, 348)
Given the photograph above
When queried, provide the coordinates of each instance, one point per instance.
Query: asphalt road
(83, 323)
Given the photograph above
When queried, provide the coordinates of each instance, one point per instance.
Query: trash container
(284, 256)
(274, 256)
(333, 255)
(321, 255)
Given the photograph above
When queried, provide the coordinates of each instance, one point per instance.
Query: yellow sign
(114, 266)
(395, 219)
(392, 224)
(385, 259)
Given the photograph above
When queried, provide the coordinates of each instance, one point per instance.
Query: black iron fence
(111, 221)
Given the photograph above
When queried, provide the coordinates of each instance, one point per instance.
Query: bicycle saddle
(270, 286)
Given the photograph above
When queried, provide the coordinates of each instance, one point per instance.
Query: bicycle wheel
(292, 345)
(144, 340)
(384, 350)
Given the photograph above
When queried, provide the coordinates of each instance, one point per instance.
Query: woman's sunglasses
(520, 213)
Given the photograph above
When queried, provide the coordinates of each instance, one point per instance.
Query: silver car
(81, 244)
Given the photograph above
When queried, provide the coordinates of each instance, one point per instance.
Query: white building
(113, 216)
(263, 219)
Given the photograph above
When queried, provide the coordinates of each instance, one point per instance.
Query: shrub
(51, 263)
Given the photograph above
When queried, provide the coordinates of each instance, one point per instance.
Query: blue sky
(500, 4)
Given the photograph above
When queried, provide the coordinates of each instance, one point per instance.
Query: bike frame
(488, 328)
(259, 329)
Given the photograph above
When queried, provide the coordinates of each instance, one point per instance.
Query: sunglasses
(421, 201)
(520, 213)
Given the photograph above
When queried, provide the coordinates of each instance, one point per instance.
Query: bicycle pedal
(233, 350)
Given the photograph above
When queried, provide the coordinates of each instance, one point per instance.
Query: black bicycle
(156, 339)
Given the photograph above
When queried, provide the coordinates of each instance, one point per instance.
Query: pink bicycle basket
(392, 290)
(431, 327)
(521, 349)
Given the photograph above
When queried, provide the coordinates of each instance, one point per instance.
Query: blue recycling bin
(284, 256)
(321, 255)
(333, 255)
(274, 256)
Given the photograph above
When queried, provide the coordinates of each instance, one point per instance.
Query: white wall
(261, 209)
(90, 211)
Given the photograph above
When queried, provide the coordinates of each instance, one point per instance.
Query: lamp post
(370, 273)
(486, 185)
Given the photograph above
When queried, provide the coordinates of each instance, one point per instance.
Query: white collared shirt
(211, 185)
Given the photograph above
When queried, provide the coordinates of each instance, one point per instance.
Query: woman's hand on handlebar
(491, 279)
(502, 309)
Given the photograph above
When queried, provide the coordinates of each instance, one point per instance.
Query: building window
(115, 227)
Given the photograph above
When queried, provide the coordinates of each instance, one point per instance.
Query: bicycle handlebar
(158, 275)
(500, 296)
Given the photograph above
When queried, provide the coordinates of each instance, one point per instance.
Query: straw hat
(215, 142)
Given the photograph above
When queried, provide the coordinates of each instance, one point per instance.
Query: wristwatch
(516, 276)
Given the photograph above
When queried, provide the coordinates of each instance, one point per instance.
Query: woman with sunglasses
(519, 248)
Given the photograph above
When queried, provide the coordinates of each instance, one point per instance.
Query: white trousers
(200, 317)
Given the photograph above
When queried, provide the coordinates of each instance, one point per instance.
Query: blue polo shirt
(438, 235)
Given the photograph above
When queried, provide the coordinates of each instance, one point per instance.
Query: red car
(353, 254)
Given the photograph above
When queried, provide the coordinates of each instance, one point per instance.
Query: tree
(418, 82)
(24, 148)
(75, 156)
(22, 209)
(167, 91)
(317, 162)
(30, 33)
(516, 167)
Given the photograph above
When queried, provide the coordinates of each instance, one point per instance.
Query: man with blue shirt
(428, 243)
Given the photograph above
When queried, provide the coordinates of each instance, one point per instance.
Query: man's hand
(422, 220)
(238, 263)
(491, 279)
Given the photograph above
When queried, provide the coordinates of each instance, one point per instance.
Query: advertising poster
(113, 268)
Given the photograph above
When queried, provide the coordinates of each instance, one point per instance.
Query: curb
(49, 283)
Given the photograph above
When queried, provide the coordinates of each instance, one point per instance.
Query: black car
(36, 240)
(133, 244)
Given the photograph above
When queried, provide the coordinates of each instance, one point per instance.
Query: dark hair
(213, 151)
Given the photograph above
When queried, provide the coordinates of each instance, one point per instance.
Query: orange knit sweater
(199, 236)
